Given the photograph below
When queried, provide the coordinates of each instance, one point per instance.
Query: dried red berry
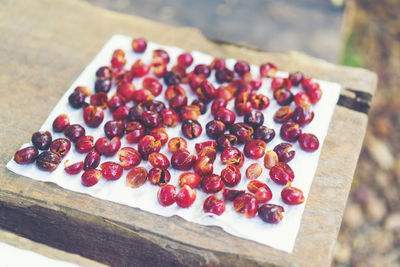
(232, 155)
(302, 115)
(200, 146)
(191, 129)
(114, 128)
(231, 194)
(290, 131)
(225, 141)
(242, 131)
(99, 100)
(281, 173)
(166, 195)
(225, 115)
(84, 144)
(177, 143)
(283, 114)
(296, 77)
(189, 178)
(108, 148)
(185, 60)
(136, 177)
(134, 132)
(308, 142)
(241, 67)
(182, 160)
(42, 140)
(231, 175)
(158, 160)
(271, 213)
(90, 177)
(60, 123)
(255, 149)
(60, 146)
(268, 70)
(270, 159)
(315, 95)
(139, 45)
(214, 205)
(218, 64)
(302, 100)
(203, 166)
(48, 161)
(185, 197)
(129, 157)
(215, 129)
(206, 91)
(254, 171)
(160, 134)
(284, 152)
(115, 102)
(126, 90)
(140, 69)
(74, 168)
(212, 183)
(254, 118)
(283, 96)
(292, 196)
(159, 176)
(111, 170)
(246, 204)
(74, 132)
(264, 133)
(259, 101)
(148, 145)
(190, 112)
(217, 104)
(281, 83)
(92, 160)
(169, 117)
(243, 103)
(93, 116)
(26, 155)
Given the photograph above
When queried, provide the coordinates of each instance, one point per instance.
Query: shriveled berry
(93, 116)
(126, 90)
(296, 77)
(308, 142)
(48, 161)
(169, 117)
(224, 75)
(264, 133)
(185, 197)
(254, 118)
(191, 129)
(217, 104)
(74, 168)
(268, 70)
(271, 213)
(76, 99)
(225, 115)
(177, 143)
(60, 123)
(283, 96)
(292, 196)
(84, 144)
(121, 113)
(178, 102)
(314, 95)
(151, 119)
(104, 73)
(242, 131)
(139, 45)
(259, 101)
(189, 112)
(129, 157)
(263, 194)
(160, 134)
(200, 146)
(290, 131)
(160, 57)
(111, 170)
(157, 159)
(159, 176)
(212, 183)
(172, 91)
(171, 78)
(26, 155)
(218, 64)
(215, 129)
(153, 85)
(254, 171)
(214, 205)
(92, 160)
(114, 128)
(102, 85)
(60, 146)
(201, 104)
(74, 132)
(281, 83)
(283, 114)
(166, 195)
(302, 100)
(231, 194)
(136, 177)
(302, 115)
(134, 132)
(99, 100)
(232, 155)
(284, 152)
(42, 140)
(182, 160)
(231, 175)
(108, 148)
(185, 60)
(189, 178)
(242, 103)
(90, 177)
(281, 173)
(202, 69)
(142, 95)
(203, 166)
(241, 67)
(246, 204)
(148, 145)
(206, 91)
(140, 69)
(270, 159)
(225, 141)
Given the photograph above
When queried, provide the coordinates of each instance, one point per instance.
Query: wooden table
(46, 44)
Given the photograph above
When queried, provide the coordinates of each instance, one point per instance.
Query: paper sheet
(281, 236)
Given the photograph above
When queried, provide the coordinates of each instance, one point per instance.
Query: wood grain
(45, 45)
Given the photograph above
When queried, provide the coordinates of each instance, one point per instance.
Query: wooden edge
(49, 252)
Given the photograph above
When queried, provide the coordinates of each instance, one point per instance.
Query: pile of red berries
(144, 121)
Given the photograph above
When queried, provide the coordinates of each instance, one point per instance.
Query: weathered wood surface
(46, 44)
(49, 252)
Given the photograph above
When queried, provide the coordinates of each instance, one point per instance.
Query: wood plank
(49, 252)
(45, 45)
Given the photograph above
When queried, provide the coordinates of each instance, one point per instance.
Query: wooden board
(49, 252)
(46, 44)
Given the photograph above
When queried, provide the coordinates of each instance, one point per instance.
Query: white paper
(281, 236)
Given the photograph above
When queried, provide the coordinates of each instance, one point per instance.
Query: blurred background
(360, 33)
